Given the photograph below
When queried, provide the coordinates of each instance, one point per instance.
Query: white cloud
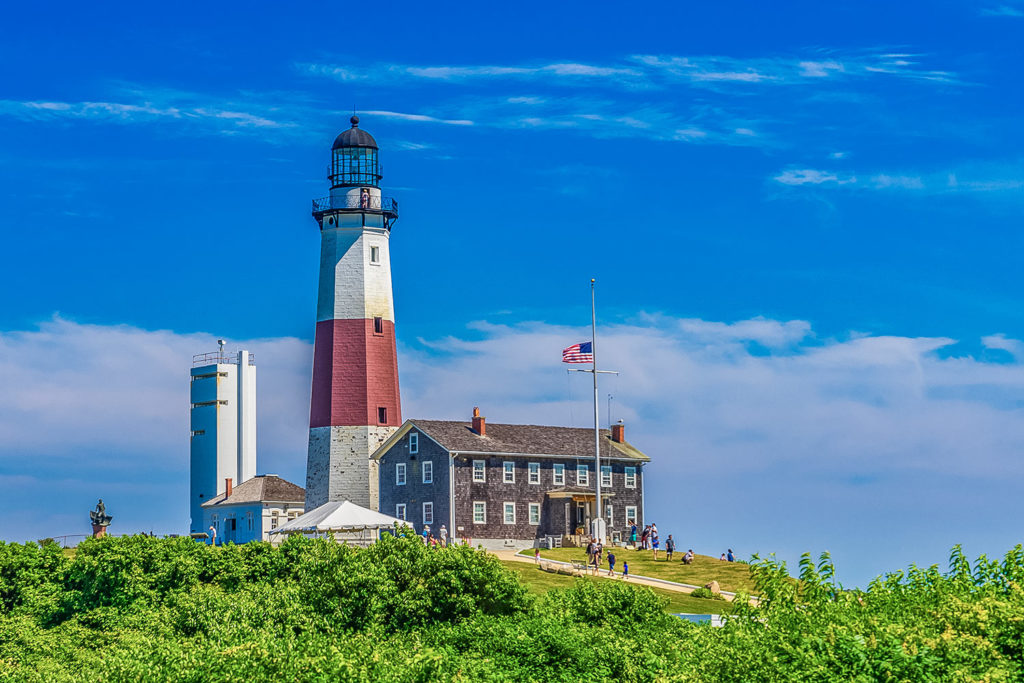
(984, 178)
(754, 437)
(658, 70)
(810, 176)
(195, 110)
(420, 118)
(1002, 11)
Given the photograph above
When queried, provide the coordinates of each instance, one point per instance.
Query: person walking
(625, 570)
(443, 533)
(670, 547)
(611, 563)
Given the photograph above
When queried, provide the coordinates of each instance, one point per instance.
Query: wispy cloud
(811, 176)
(1002, 11)
(660, 70)
(419, 118)
(137, 105)
(984, 178)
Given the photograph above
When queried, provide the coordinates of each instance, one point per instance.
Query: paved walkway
(603, 574)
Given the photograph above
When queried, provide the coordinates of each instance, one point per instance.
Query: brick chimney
(619, 432)
(227, 487)
(479, 423)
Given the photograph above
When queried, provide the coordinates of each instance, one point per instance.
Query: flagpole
(597, 419)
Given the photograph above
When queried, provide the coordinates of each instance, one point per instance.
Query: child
(625, 570)
(611, 563)
(536, 555)
(654, 543)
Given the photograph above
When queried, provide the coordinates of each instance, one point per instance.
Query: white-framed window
(631, 515)
(630, 477)
(250, 521)
(479, 470)
(428, 472)
(534, 472)
(428, 513)
(558, 474)
(414, 443)
(606, 475)
(375, 255)
(400, 511)
(583, 475)
(510, 512)
(508, 472)
(535, 513)
(479, 512)
(400, 473)
(609, 516)
(273, 519)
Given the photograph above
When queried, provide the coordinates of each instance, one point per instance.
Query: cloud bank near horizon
(95, 410)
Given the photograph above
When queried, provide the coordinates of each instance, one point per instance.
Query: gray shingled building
(509, 485)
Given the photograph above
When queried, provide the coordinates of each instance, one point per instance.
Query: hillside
(731, 576)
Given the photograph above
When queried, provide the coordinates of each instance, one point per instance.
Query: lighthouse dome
(354, 137)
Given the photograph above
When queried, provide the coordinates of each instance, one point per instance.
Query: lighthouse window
(378, 325)
(375, 255)
(382, 415)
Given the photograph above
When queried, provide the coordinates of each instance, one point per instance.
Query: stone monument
(100, 520)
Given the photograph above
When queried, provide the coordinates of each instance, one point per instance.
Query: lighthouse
(355, 404)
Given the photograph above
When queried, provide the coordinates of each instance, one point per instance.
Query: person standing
(443, 533)
(426, 534)
(213, 534)
(670, 546)
(632, 532)
(654, 545)
(598, 552)
(590, 552)
(611, 563)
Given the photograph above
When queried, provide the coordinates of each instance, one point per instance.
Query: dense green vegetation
(140, 608)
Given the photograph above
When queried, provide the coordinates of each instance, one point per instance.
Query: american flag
(579, 353)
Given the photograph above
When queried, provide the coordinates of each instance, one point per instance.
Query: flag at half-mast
(579, 353)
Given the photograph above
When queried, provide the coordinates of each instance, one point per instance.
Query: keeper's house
(505, 485)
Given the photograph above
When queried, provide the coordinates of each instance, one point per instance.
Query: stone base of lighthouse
(338, 465)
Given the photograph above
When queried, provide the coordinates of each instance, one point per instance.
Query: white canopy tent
(343, 519)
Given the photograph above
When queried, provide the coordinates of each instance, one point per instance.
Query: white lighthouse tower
(355, 401)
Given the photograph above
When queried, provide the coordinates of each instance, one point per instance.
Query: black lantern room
(354, 159)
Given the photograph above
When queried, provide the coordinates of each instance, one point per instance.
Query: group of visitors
(440, 541)
(595, 549)
(649, 540)
(728, 557)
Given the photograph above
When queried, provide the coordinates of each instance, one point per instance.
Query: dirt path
(642, 580)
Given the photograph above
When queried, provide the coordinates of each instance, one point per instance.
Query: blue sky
(806, 213)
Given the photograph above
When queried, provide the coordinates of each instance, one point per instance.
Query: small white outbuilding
(346, 521)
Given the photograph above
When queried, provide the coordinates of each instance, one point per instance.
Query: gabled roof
(263, 488)
(506, 439)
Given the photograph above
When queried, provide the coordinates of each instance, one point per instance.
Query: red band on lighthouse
(355, 374)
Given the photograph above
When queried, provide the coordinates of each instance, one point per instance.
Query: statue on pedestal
(100, 520)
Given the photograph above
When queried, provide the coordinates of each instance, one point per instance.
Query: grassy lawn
(731, 576)
(540, 582)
